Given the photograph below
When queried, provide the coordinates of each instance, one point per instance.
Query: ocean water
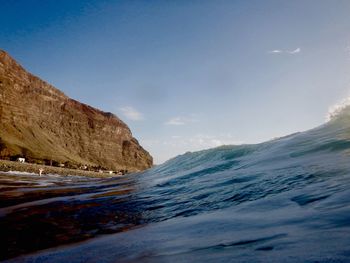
(284, 200)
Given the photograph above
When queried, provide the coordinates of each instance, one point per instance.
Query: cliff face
(40, 123)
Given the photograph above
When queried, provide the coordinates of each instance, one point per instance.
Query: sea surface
(286, 200)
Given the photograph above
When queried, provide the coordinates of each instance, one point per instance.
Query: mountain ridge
(42, 124)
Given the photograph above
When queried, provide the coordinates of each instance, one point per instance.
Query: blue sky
(189, 75)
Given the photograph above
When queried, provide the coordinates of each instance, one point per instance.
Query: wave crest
(337, 109)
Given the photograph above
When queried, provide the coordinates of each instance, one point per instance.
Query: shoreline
(14, 166)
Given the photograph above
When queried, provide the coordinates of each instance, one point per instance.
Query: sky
(189, 75)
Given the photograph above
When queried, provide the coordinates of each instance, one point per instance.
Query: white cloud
(202, 141)
(177, 121)
(295, 51)
(276, 51)
(347, 49)
(166, 148)
(131, 113)
(280, 51)
(193, 143)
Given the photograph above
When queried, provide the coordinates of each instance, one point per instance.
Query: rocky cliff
(42, 124)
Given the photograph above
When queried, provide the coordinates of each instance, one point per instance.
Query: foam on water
(337, 109)
(19, 173)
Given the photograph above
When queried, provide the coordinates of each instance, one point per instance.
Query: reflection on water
(41, 212)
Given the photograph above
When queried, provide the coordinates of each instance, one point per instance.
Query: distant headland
(42, 125)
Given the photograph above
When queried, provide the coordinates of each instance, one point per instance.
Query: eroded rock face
(39, 122)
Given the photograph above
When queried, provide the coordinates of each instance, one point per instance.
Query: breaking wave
(337, 109)
(283, 200)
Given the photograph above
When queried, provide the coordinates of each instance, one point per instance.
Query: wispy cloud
(195, 142)
(347, 49)
(295, 51)
(280, 51)
(175, 121)
(275, 51)
(178, 121)
(166, 148)
(131, 113)
(202, 141)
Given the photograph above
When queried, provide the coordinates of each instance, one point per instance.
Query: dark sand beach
(7, 166)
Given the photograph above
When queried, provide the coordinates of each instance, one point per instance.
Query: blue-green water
(283, 200)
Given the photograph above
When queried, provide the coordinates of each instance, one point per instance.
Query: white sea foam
(336, 109)
(44, 183)
(19, 173)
